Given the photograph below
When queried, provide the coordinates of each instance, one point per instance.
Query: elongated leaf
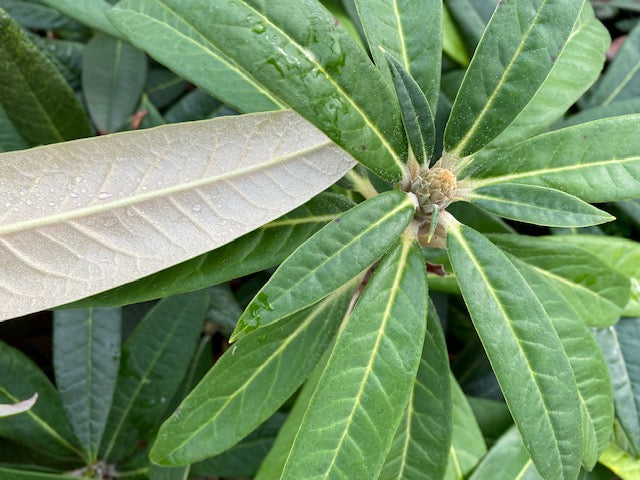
(164, 87)
(44, 427)
(574, 69)
(167, 473)
(333, 256)
(507, 460)
(596, 161)
(622, 107)
(620, 346)
(113, 76)
(596, 291)
(621, 463)
(195, 105)
(452, 43)
(34, 95)
(493, 417)
(10, 139)
(12, 474)
(249, 383)
(417, 115)
(34, 15)
(363, 391)
(622, 78)
(467, 444)
(513, 59)
(524, 350)
(422, 443)
(537, 205)
(124, 206)
(66, 55)
(20, 407)
(589, 368)
(297, 52)
(472, 17)
(263, 248)
(86, 352)
(410, 32)
(154, 360)
(88, 12)
(620, 254)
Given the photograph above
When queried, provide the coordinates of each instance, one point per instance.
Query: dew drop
(104, 195)
(28, 202)
(78, 179)
(73, 195)
(8, 204)
(196, 208)
(258, 28)
(233, 350)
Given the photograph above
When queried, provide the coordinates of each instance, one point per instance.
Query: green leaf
(421, 446)
(164, 87)
(621, 463)
(154, 360)
(471, 17)
(467, 444)
(242, 172)
(452, 43)
(196, 105)
(621, 348)
(417, 116)
(574, 69)
(10, 139)
(524, 350)
(290, 49)
(334, 255)
(163, 473)
(507, 460)
(513, 59)
(364, 389)
(621, 107)
(44, 427)
(12, 474)
(66, 55)
(86, 353)
(263, 248)
(620, 254)
(411, 33)
(34, 15)
(596, 161)
(621, 81)
(537, 205)
(88, 12)
(113, 77)
(34, 95)
(248, 383)
(493, 417)
(19, 407)
(591, 286)
(149, 114)
(589, 368)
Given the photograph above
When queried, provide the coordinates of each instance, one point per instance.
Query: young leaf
(467, 444)
(417, 116)
(88, 12)
(596, 161)
(113, 76)
(154, 360)
(19, 407)
(124, 206)
(589, 368)
(575, 68)
(621, 348)
(363, 391)
(410, 32)
(621, 463)
(337, 253)
(524, 350)
(263, 248)
(249, 382)
(507, 460)
(86, 352)
(12, 474)
(512, 60)
(422, 443)
(44, 427)
(296, 52)
(590, 286)
(537, 205)
(34, 95)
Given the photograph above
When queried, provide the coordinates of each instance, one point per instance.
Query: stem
(361, 184)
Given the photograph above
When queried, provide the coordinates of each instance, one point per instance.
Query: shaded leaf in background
(621, 463)
(10, 139)
(12, 474)
(86, 354)
(66, 55)
(196, 105)
(89, 12)
(113, 77)
(34, 95)
(130, 208)
(493, 417)
(163, 86)
(34, 15)
(471, 17)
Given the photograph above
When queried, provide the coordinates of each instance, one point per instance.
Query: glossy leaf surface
(113, 76)
(524, 350)
(362, 393)
(422, 443)
(249, 382)
(122, 207)
(337, 253)
(513, 59)
(537, 205)
(154, 360)
(34, 95)
(86, 354)
(295, 51)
